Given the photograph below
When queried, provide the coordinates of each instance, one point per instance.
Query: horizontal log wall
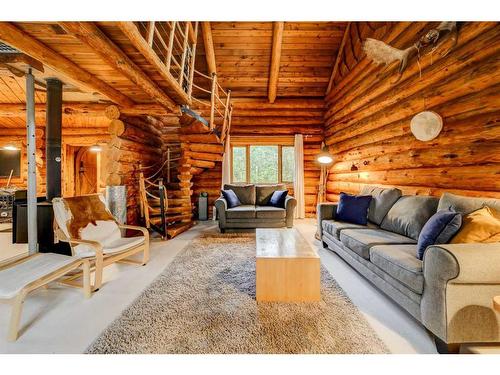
(367, 123)
(258, 118)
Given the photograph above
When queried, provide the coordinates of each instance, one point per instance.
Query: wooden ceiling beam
(134, 36)
(337, 60)
(278, 28)
(91, 35)
(209, 47)
(90, 109)
(21, 58)
(16, 38)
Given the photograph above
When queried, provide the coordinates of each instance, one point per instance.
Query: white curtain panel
(298, 186)
(226, 163)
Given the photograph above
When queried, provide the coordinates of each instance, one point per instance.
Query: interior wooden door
(86, 171)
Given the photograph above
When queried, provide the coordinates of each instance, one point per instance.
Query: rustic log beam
(209, 47)
(90, 34)
(207, 156)
(134, 35)
(200, 147)
(278, 28)
(12, 58)
(337, 60)
(16, 38)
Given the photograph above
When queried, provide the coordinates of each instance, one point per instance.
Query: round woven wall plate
(426, 125)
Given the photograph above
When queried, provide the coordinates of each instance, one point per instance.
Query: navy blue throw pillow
(278, 199)
(439, 229)
(353, 208)
(231, 198)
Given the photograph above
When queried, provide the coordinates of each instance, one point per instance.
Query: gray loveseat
(254, 212)
(450, 292)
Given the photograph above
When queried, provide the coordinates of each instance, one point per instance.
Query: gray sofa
(254, 212)
(450, 291)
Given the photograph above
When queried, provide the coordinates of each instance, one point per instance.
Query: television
(10, 160)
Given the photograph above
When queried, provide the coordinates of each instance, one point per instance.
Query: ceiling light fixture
(95, 148)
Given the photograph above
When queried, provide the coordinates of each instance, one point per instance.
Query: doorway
(82, 172)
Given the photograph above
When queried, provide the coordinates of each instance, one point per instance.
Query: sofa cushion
(241, 212)
(353, 208)
(263, 193)
(482, 225)
(269, 212)
(231, 198)
(361, 240)
(245, 193)
(383, 200)
(466, 205)
(409, 214)
(334, 227)
(399, 261)
(439, 229)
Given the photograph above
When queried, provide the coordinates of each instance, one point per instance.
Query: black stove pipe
(53, 138)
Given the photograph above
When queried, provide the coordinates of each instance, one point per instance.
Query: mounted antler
(382, 53)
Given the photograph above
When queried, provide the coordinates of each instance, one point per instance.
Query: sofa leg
(444, 348)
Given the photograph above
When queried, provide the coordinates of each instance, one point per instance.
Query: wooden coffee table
(287, 267)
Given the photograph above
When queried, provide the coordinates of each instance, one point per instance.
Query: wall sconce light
(10, 147)
(95, 148)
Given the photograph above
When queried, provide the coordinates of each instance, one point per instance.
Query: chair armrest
(290, 204)
(221, 207)
(76, 241)
(144, 231)
(325, 211)
(460, 280)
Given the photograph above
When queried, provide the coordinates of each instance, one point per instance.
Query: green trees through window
(264, 164)
(239, 164)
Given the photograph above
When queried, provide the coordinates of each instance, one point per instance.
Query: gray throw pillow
(465, 205)
(245, 193)
(409, 215)
(382, 201)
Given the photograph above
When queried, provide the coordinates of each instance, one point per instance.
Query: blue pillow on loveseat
(353, 208)
(278, 198)
(439, 229)
(231, 198)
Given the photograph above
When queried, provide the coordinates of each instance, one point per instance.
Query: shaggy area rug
(204, 302)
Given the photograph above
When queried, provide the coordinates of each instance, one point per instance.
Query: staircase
(165, 196)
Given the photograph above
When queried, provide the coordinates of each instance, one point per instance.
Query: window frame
(247, 161)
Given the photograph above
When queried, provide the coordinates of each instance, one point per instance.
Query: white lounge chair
(25, 275)
(92, 232)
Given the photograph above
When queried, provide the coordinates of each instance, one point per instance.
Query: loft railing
(219, 104)
(175, 44)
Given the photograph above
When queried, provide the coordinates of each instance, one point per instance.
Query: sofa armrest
(290, 204)
(221, 207)
(460, 281)
(325, 211)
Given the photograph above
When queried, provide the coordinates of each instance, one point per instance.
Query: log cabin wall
(257, 118)
(367, 123)
(76, 131)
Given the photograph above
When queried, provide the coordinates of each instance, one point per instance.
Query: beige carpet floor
(204, 302)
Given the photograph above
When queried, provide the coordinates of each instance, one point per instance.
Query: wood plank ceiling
(243, 57)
